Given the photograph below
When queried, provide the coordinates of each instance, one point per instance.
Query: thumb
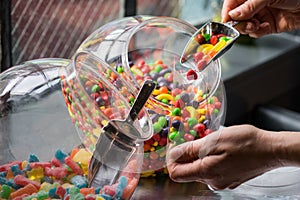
(247, 10)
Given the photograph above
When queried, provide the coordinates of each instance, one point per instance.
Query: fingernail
(234, 13)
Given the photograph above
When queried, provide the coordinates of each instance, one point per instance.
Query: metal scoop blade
(213, 39)
(114, 146)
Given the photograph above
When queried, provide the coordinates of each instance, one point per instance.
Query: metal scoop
(210, 29)
(116, 143)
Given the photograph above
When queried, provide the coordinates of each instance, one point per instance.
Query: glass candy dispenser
(182, 107)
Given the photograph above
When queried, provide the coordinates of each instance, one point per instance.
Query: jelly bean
(128, 191)
(52, 193)
(176, 112)
(56, 162)
(3, 174)
(213, 40)
(109, 190)
(23, 181)
(87, 191)
(164, 96)
(82, 156)
(192, 122)
(60, 155)
(5, 192)
(40, 164)
(28, 189)
(200, 64)
(120, 187)
(16, 170)
(176, 124)
(58, 172)
(188, 137)
(200, 38)
(76, 197)
(33, 158)
(73, 165)
(79, 181)
(7, 166)
(221, 44)
(60, 191)
(173, 135)
(191, 75)
(199, 128)
(157, 127)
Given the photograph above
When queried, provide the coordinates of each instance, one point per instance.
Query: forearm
(285, 147)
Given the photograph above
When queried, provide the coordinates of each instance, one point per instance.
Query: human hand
(261, 17)
(224, 159)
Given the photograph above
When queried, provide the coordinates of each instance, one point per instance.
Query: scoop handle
(142, 97)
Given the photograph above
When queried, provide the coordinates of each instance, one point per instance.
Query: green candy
(192, 122)
(165, 101)
(158, 68)
(77, 196)
(173, 135)
(176, 112)
(5, 192)
(95, 88)
(193, 133)
(206, 36)
(225, 39)
(162, 121)
(216, 111)
(157, 127)
(120, 69)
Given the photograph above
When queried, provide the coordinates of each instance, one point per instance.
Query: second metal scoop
(206, 32)
(115, 145)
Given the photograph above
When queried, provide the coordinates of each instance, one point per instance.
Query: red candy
(191, 75)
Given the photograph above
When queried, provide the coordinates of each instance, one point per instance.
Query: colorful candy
(63, 182)
(209, 46)
(179, 112)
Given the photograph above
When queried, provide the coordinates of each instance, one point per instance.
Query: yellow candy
(207, 49)
(192, 111)
(35, 173)
(219, 46)
(46, 186)
(148, 173)
(136, 71)
(82, 156)
(156, 92)
(164, 96)
(204, 46)
(152, 149)
(201, 119)
(202, 111)
(67, 185)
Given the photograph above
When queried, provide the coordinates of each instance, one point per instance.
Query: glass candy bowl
(186, 105)
(34, 118)
(41, 150)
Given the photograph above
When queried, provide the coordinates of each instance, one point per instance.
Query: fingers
(247, 10)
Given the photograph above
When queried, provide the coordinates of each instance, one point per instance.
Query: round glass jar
(181, 108)
(34, 118)
(39, 143)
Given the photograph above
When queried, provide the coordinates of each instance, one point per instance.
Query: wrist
(286, 148)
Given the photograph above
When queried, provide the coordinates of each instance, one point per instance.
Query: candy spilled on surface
(64, 177)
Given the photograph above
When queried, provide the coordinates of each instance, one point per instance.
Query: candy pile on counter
(64, 177)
